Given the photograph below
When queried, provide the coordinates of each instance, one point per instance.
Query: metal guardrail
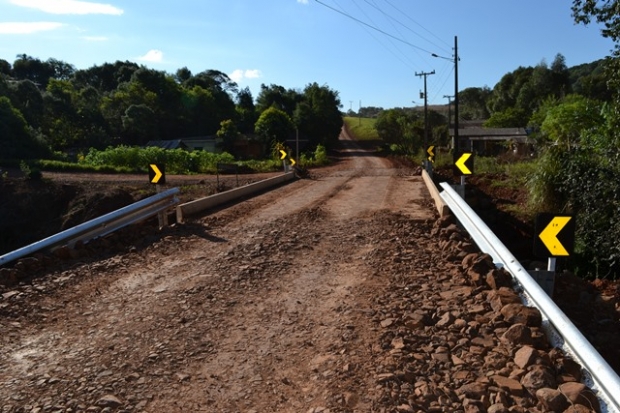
(102, 225)
(605, 380)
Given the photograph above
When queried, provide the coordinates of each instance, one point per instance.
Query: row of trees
(544, 99)
(51, 106)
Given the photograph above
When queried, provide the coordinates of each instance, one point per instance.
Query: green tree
(106, 77)
(273, 125)
(33, 69)
(506, 91)
(167, 106)
(228, 134)
(61, 120)
(318, 115)
(565, 123)
(140, 125)
(278, 97)
(15, 138)
(201, 112)
(5, 67)
(512, 117)
(402, 129)
(246, 111)
(473, 103)
(115, 105)
(95, 133)
(60, 70)
(183, 75)
(26, 97)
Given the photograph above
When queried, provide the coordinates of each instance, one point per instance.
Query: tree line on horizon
(49, 107)
(534, 98)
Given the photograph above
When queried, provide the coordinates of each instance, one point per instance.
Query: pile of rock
(461, 340)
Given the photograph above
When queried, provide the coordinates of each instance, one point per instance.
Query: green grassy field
(362, 129)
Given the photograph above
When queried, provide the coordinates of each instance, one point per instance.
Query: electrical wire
(405, 55)
(404, 25)
(445, 74)
(373, 27)
(428, 31)
(408, 64)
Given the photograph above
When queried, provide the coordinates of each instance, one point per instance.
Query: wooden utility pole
(425, 75)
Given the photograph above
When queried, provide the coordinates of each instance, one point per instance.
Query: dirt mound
(32, 210)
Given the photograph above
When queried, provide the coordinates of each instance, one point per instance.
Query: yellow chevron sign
(431, 153)
(464, 164)
(157, 174)
(283, 156)
(557, 235)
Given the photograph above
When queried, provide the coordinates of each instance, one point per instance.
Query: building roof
(168, 144)
(492, 134)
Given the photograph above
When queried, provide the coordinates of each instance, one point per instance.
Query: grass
(362, 129)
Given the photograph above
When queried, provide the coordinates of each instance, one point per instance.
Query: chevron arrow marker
(549, 236)
(431, 153)
(157, 175)
(460, 163)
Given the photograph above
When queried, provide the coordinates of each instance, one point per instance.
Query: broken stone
(525, 356)
(511, 386)
(538, 378)
(475, 390)
(578, 393)
(518, 334)
(518, 313)
(552, 399)
(109, 400)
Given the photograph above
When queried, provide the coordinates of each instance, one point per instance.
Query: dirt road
(326, 295)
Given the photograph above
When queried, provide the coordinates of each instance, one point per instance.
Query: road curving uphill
(342, 293)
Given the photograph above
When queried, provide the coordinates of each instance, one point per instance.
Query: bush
(574, 181)
(30, 172)
(177, 161)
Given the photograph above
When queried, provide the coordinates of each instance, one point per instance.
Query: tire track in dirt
(264, 310)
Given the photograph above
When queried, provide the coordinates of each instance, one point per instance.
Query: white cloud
(69, 7)
(240, 74)
(302, 1)
(236, 75)
(27, 27)
(253, 74)
(152, 56)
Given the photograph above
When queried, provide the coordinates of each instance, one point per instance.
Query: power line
(391, 21)
(428, 31)
(409, 64)
(404, 25)
(404, 55)
(373, 27)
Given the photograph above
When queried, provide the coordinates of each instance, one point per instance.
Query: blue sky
(295, 42)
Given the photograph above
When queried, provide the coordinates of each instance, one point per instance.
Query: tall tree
(106, 77)
(61, 70)
(15, 138)
(183, 75)
(473, 103)
(246, 111)
(33, 69)
(278, 97)
(5, 67)
(323, 119)
(228, 134)
(403, 129)
(26, 97)
(274, 126)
